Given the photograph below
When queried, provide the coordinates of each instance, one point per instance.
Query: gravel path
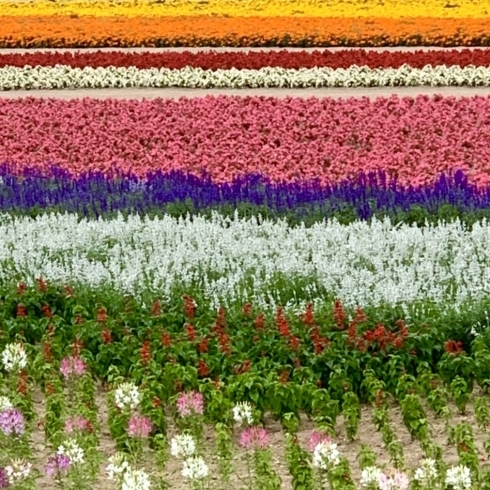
(175, 93)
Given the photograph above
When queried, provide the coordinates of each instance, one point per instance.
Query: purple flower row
(177, 192)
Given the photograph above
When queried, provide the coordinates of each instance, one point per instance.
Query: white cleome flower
(17, 471)
(242, 413)
(14, 357)
(5, 403)
(71, 449)
(458, 478)
(326, 455)
(117, 466)
(195, 468)
(426, 473)
(127, 396)
(135, 480)
(182, 446)
(370, 476)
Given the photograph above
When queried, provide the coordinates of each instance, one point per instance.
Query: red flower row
(252, 60)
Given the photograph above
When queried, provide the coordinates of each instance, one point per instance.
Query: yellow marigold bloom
(241, 8)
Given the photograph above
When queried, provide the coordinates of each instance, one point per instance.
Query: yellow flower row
(242, 8)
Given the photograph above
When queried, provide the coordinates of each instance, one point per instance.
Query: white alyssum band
(66, 77)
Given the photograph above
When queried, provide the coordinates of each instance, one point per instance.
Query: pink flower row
(286, 140)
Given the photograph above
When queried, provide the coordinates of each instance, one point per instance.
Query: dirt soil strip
(230, 49)
(176, 93)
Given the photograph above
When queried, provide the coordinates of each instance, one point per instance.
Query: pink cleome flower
(77, 424)
(316, 438)
(254, 438)
(57, 465)
(72, 366)
(191, 403)
(139, 426)
(12, 422)
(399, 481)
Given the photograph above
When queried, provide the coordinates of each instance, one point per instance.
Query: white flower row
(61, 76)
(267, 263)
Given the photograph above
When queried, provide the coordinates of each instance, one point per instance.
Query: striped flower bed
(224, 265)
(252, 23)
(231, 160)
(177, 194)
(244, 259)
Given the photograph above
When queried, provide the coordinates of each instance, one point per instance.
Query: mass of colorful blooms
(244, 291)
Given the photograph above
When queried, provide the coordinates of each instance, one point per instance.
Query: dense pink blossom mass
(414, 139)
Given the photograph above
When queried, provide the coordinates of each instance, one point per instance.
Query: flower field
(281, 286)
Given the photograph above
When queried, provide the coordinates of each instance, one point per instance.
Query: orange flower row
(64, 31)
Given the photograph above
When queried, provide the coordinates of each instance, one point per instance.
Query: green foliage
(414, 417)
(301, 215)
(465, 444)
(224, 451)
(351, 410)
(481, 354)
(460, 392)
(266, 477)
(437, 398)
(482, 412)
(299, 464)
(366, 456)
(460, 365)
(340, 477)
